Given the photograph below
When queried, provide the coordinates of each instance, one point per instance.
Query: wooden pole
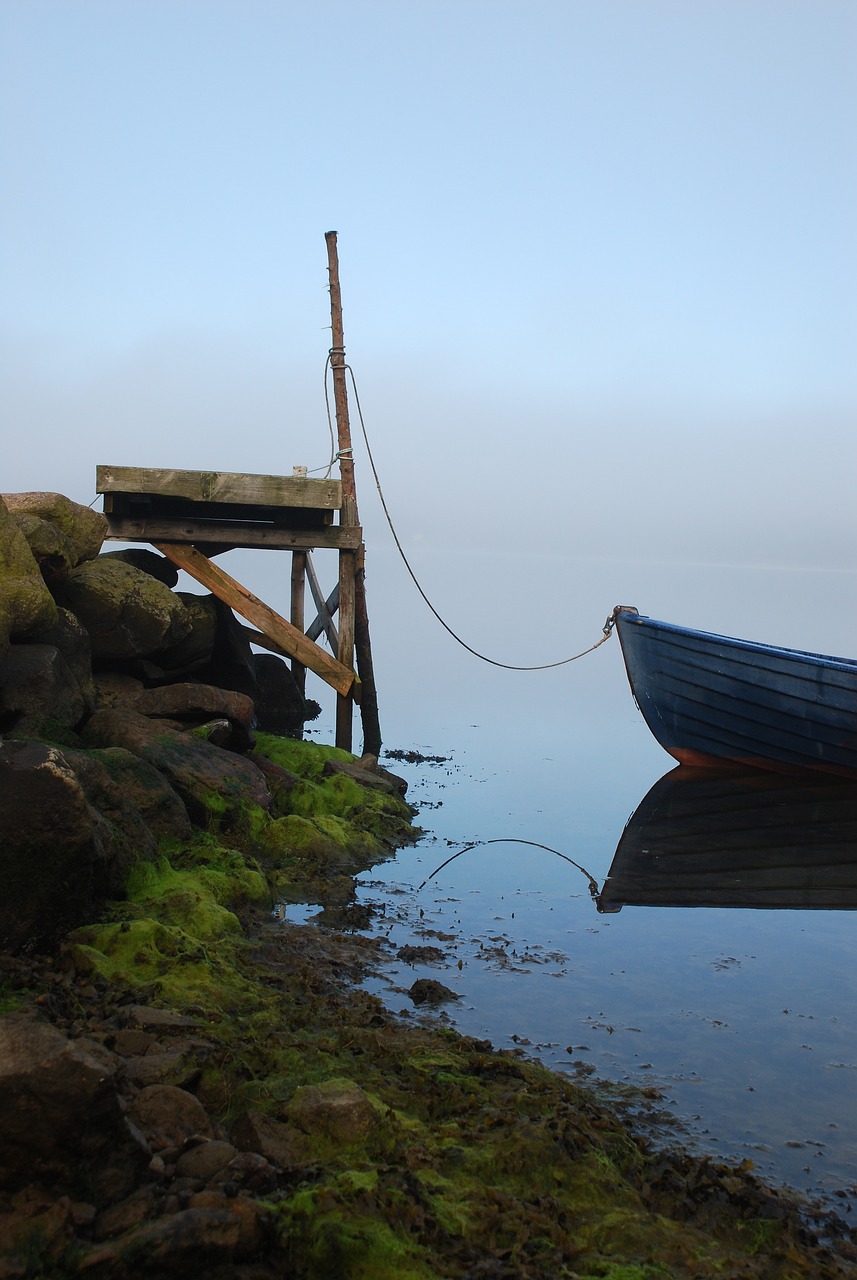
(353, 611)
(299, 561)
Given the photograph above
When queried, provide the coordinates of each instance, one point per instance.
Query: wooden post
(353, 612)
(296, 613)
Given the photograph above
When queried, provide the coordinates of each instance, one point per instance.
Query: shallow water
(744, 1018)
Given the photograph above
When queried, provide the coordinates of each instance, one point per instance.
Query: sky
(598, 261)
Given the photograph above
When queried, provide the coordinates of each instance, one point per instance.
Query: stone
(280, 782)
(26, 605)
(368, 773)
(38, 693)
(59, 1107)
(336, 1109)
(72, 640)
(428, 991)
(116, 689)
(199, 703)
(168, 1116)
(197, 770)
(131, 793)
(205, 1160)
(147, 561)
(193, 652)
(83, 529)
(280, 706)
(51, 853)
(127, 612)
(281, 1144)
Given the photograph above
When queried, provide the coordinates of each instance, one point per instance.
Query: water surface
(744, 1018)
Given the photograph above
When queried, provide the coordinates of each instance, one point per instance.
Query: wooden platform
(218, 510)
(192, 516)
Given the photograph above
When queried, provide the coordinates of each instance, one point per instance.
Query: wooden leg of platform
(297, 612)
(347, 587)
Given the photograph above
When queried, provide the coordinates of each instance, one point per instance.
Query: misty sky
(598, 260)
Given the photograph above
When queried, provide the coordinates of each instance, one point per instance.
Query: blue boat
(712, 700)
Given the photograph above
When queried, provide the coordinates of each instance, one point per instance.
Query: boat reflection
(717, 838)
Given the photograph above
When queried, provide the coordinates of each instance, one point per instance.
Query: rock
(147, 561)
(280, 1143)
(280, 782)
(189, 1243)
(198, 703)
(58, 1109)
(38, 693)
(128, 1213)
(127, 612)
(368, 773)
(193, 651)
(131, 793)
(336, 1109)
(142, 1015)
(168, 1116)
(196, 770)
(205, 1160)
(83, 530)
(72, 640)
(50, 848)
(280, 706)
(116, 689)
(428, 991)
(26, 605)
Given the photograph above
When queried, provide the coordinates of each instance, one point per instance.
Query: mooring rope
(593, 883)
(607, 629)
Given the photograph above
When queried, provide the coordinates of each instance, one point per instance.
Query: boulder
(59, 1109)
(168, 1116)
(209, 780)
(72, 640)
(81, 530)
(198, 704)
(280, 706)
(135, 806)
(147, 561)
(127, 612)
(50, 848)
(194, 651)
(26, 605)
(38, 693)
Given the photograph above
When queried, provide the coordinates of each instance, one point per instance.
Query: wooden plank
(231, 592)
(221, 486)
(232, 533)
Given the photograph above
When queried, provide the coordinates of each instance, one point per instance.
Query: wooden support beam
(231, 533)
(294, 642)
(324, 621)
(325, 612)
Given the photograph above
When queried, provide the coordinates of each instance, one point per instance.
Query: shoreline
(319, 1134)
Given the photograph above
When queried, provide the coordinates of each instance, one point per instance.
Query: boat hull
(713, 700)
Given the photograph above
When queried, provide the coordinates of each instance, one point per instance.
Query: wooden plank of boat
(711, 699)
(716, 838)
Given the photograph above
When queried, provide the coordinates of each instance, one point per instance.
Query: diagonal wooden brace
(231, 592)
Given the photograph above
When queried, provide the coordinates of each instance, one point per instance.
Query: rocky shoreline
(190, 1085)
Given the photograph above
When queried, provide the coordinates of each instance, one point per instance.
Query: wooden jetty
(193, 516)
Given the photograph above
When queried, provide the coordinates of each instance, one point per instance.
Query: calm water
(744, 1018)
